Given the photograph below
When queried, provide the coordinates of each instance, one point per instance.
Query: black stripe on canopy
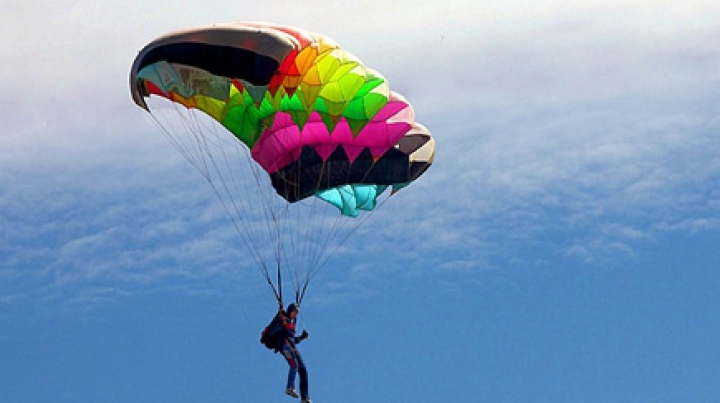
(225, 61)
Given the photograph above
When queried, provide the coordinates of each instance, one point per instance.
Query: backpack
(270, 336)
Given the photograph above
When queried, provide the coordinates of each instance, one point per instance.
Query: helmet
(292, 308)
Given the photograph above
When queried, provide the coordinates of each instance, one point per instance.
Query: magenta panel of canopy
(282, 143)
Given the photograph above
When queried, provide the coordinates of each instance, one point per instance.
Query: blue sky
(563, 248)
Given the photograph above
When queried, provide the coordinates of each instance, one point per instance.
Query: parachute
(308, 136)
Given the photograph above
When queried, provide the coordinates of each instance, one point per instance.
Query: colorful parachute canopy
(317, 120)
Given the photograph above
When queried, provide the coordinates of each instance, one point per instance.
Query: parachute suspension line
(290, 253)
(304, 254)
(197, 153)
(184, 150)
(249, 236)
(310, 255)
(310, 249)
(324, 238)
(317, 248)
(242, 154)
(321, 259)
(272, 221)
(266, 208)
(299, 234)
(312, 231)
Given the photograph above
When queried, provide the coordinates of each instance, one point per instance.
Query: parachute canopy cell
(314, 117)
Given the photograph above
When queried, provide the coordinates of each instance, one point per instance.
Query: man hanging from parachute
(303, 118)
(280, 336)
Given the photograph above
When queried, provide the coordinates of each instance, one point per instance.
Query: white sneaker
(292, 392)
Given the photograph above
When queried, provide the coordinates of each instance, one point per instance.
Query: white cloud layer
(565, 130)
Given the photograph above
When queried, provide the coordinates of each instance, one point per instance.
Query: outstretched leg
(303, 376)
(292, 360)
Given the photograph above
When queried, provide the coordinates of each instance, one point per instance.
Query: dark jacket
(288, 331)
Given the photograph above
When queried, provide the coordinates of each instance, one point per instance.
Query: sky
(562, 248)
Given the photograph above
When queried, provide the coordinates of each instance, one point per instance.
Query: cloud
(100, 224)
(564, 131)
(526, 54)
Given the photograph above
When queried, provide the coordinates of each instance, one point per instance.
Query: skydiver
(291, 353)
